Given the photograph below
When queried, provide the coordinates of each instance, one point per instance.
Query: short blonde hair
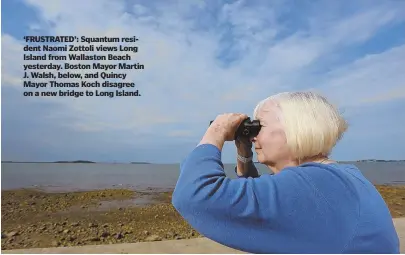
(312, 125)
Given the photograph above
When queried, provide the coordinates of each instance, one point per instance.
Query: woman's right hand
(244, 147)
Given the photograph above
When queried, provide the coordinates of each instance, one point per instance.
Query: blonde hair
(311, 124)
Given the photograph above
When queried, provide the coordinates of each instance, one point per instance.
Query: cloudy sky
(203, 58)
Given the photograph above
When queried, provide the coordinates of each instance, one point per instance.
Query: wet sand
(37, 219)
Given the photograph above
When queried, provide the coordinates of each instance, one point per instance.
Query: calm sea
(77, 176)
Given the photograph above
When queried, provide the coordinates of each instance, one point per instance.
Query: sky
(204, 58)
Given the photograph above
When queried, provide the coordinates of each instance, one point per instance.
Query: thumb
(242, 117)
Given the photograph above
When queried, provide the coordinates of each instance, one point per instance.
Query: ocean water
(58, 177)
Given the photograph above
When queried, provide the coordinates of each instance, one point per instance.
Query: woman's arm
(222, 209)
(245, 170)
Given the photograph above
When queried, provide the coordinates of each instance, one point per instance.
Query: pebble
(105, 234)
(12, 234)
(153, 238)
(170, 235)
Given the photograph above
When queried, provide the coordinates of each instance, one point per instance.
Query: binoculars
(247, 129)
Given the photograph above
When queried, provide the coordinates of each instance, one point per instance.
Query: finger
(242, 116)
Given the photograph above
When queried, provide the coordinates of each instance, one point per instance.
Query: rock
(92, 225)
(94, 239)
(105, 234)
(75, 224)
(178, 237)
(66, 231)
(12, 234)
(105, 225)
(119, 236)
(55, 243)
(170, 235)
(153, 238)
(146, 232)
(3, 235)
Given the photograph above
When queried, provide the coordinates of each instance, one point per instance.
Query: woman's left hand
(225, 125)
(222, 129)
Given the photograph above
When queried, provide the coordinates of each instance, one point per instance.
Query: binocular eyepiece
(247, 129)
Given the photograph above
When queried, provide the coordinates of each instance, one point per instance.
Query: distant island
(75, 161)
(62, 161)
(379, 160)
(72, 161)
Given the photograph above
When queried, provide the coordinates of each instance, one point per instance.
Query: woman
(311, 204)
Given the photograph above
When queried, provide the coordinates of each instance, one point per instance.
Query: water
(75, 176)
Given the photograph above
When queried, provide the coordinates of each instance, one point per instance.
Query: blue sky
(203, 58)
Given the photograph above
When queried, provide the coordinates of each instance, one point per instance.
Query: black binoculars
(247, 129)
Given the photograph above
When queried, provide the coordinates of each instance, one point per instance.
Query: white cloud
(372, 78)
(185, 81)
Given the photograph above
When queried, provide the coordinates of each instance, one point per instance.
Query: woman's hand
(223, 129)
(225, 125)
(244, 147)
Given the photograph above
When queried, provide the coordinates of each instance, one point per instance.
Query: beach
(32, 218)
(37, 219)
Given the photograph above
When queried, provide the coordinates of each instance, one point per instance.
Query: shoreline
(32, 218)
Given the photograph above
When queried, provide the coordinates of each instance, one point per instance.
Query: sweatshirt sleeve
(223, 209)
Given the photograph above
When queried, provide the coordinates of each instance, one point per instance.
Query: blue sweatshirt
(312, 208)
